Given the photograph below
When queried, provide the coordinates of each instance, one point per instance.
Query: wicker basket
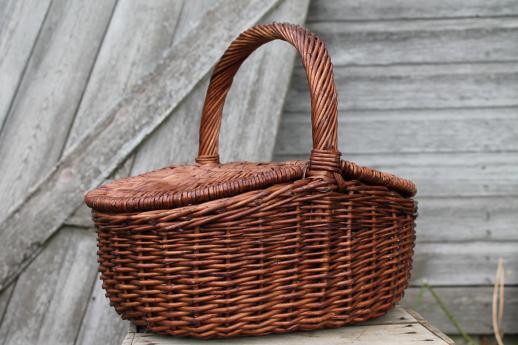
(214, 250)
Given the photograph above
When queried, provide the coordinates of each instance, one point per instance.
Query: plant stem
(450, 316)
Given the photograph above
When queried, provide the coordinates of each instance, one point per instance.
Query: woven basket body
(218, 250)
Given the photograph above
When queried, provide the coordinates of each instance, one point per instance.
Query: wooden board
(420, 41)
(101, 324)
(443, 175)
(49, 94)
(467, 219)
(138, 35)
(397, 327)
(117, 134)
(252, 111)
(471, 307)
(464, 263)
(136, 38)
(411, 131)
(416, 87)
(5, 297)
(21, 23)
(352, 10)
(50, 297)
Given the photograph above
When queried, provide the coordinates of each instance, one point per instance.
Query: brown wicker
(218, 250)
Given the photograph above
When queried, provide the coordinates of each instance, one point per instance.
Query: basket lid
(190, 184)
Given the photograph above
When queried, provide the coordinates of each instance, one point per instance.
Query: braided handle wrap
(319, 71)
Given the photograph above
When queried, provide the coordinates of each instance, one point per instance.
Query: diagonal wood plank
(38, 123)
(138, 35)
(252, 110)
(101, 324)
(5, 297)
(51, 295)
(117, 134)
(21, 23)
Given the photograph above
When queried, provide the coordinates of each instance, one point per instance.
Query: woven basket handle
(319, 70)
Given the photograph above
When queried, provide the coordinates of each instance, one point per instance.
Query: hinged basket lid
(190, 184)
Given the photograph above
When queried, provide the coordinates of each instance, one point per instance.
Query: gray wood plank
(443, 175)
(5, 298)
(425, 323)
(176, 139)
(464, 263)
(409, 332)
(420, 41)
(118, 133)
(471, 306)
(137, 37)
(38, 123)
(128, 339)
(21, 23)
(410, 131)
(340, 10)
(101, 324)
(359, 335)
(416, 87)
(82, 216)
(51, 295)
(467, 219)
(252, 111)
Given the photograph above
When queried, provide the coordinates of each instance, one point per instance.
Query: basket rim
(196, 184)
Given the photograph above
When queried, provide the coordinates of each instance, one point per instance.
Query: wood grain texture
(138, 35)
(420, 41)
(136, 38)
(358, 335)
(444, 175)
(410, 131)
(5, 297)
(49, 94)
(117, 134)
(471, 306)
(416, 87)
(176, 140)
(397, 327)
(51, 295)
(351, 10)
(101, 324)
(21, 23)
(464, 263)
(455, 219)
(252, 112)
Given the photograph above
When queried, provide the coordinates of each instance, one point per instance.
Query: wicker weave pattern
(218, 250)
(286, 258)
